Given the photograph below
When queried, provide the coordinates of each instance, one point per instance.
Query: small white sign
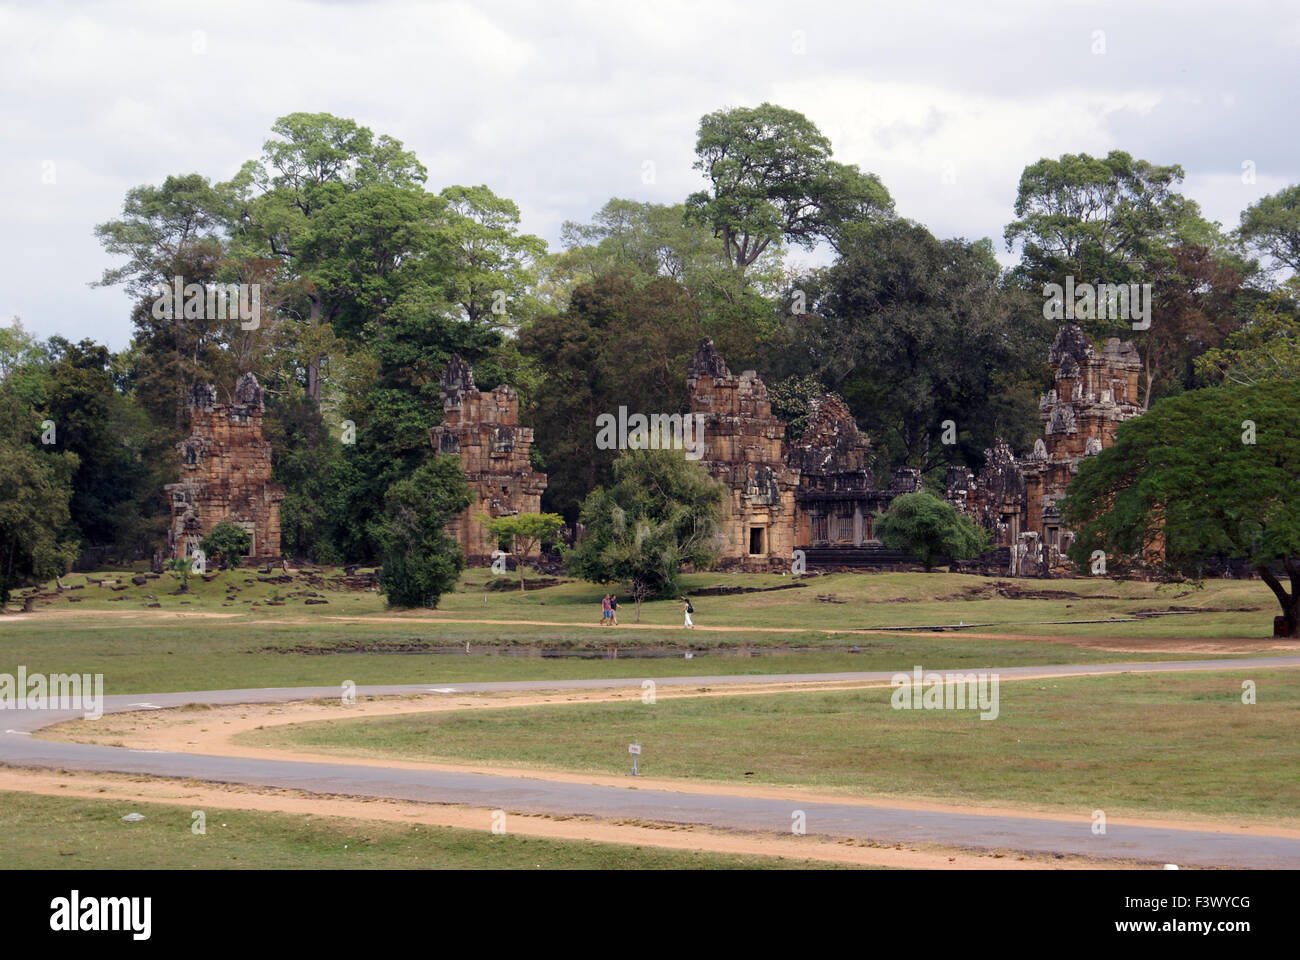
(634, 748)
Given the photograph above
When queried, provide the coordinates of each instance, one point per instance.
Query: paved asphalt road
(523, 795)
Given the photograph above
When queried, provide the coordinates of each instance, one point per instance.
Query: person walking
(613, 609)
(688, 610)
(604, 611)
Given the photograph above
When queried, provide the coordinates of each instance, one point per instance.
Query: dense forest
(370, 279)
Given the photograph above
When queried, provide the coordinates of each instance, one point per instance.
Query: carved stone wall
(1015, 499)
(482, 429)
(743, 449)
(836, 499)
(817, 492)
(1092, 395)
(995, 499)
(225, 473)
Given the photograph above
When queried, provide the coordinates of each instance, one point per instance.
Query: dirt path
(212, 732)
(134, 790)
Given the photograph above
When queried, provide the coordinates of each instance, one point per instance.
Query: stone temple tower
(483, 430)
(1015, 499)
(743, 449)
(1094, 392)
(225, 473)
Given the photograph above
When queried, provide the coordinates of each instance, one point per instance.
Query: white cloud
(560, 105)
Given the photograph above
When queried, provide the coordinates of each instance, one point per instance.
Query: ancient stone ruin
(1015, 499)
(225, 473)
(995, 499)
(482, 429)
(742, 449)
(817, 493)
(836, 499)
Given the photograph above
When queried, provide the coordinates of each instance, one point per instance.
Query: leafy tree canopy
(771, 177)
(929, 529)
(1265, 347)
(33, 513)
(1209, 475)
(1271, 225)
(420, 562)
(661, 513)
(526, 531)
(912, 331)
(618, 344)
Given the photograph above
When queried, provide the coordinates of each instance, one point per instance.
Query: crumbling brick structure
(1093, 394)
(225, 473)
(743, 449)
(836, 499)
(995, 499)
(1015, 500)
(818, 492)
(483, 430)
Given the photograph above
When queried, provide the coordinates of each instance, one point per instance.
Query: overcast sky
(562, 105)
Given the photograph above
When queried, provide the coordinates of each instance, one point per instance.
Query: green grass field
(221, 643)
(852, 602)
(1129, 743)
(165, 659)
(42, 833)
(1142, 745)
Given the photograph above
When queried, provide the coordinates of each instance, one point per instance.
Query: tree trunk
(1289, 622)
(313, 364)
(525, 548)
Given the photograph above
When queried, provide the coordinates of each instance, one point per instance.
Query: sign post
(635, 750)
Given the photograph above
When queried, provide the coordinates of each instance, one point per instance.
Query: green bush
(227, 543)
(929, 529)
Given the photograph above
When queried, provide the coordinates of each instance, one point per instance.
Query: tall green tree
(123, 458)
(1207, 476)
(159, 230)
(914, 331)
(36, 538)
(489, 265)
(420, 562)
(24, 366)
(618, 344)
(342, 211)
(1112, 219)
(1097, 216)
(659, 515)
(657, 240)
(396, 410)
(177, 229)
(649, 241)
(771, 178)
(1271, 225)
